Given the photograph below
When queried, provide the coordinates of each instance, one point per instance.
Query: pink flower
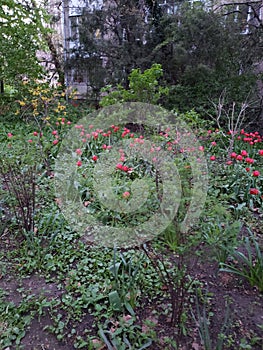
(126, 194)
(78, 126)
(55, 142)
(30, 141)
(68, 122)
(119, 166)
(125, 168)
(201, 148)
(79, 163)
(10, 135)
(229, 162)
(244, 153)
(213, 158)
(95, 134)
(239, 157)
(256, 173)
(125, 133)
(54, 132)
(213, 143)
(249, 160)
(254, 191)
(35, 133)
(104, 146)
(260, 152)
(95, 158)
(79, 151)
(233, 155)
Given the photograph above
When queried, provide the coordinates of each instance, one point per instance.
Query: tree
(113, 41)
(202, 54)
(22, 27)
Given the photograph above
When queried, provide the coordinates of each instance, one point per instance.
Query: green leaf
(115, 301)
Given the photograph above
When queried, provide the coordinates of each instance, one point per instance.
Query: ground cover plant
(196, 290)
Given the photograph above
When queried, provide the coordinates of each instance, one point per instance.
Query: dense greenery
(201, 51)
(111, 288)
(21, 36)
(65, 166)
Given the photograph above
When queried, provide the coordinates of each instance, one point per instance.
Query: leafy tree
(143, 87)
(203, 54)
(113, 41)
(21, 28)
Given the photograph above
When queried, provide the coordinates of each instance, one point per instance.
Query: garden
(82, 263)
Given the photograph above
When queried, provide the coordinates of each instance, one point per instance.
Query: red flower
(213, 158)
(244, 153)
(254, 191)
(55, 142)
(256, 173)
(95, 134)
(35, 133)
(249, 160)
(125, 168)
(119, 166)
(239, 157)
(233, 155)
(79, 163)
(95, 158)
(260, 152)
(247, 169)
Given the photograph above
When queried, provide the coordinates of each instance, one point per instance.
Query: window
(74, 28)
(246, 15)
